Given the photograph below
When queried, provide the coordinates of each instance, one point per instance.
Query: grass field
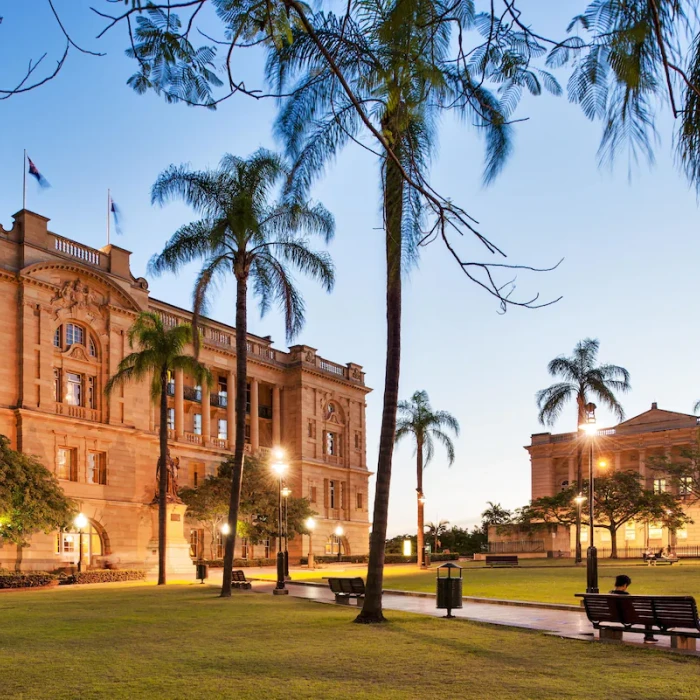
(185, 642)
(554, 583)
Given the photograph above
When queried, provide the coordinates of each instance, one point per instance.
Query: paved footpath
(561, 623)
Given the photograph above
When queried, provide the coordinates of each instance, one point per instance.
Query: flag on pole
(117, 214)
(34, 172)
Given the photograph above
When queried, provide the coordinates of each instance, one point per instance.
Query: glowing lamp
(80, 521)
(225, 529)
(339, 531)
(278, 454)
(407, 546)
(310, 523)
(279, 468)
(286, 492)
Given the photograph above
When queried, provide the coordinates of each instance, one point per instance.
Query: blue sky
(630, 248)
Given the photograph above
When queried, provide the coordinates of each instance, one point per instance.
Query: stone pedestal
(680, 642)
(178, 562)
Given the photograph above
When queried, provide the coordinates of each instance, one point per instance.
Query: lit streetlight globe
(339, 530)
(225, 529)
(310, 523)
(80, 521)
(279, 468)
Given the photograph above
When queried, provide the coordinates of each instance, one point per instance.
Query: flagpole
(24, 180)
(108, 207)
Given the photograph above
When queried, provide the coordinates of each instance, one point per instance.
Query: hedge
(31, 579)
(106, 576)
(237, 563)
(388, 559)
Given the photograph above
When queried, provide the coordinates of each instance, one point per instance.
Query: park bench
(657, 559)
(346, 588)
(674, 616)
(238, 580)
(501, 560)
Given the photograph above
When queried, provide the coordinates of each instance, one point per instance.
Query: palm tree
(582, 380)
(417, 419)
(436, 531)
(393, 56)
(160, 350)
(244, 234)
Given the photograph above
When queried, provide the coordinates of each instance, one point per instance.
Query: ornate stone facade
(628, 446)
(66, 310)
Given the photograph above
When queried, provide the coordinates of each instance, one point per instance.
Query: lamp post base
(592, 570)
(280, 591)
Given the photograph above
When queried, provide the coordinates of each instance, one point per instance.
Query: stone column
(254, 416)
(276, 432)
(231, 409)
(572, 471)
(179, 404)
(206, 414)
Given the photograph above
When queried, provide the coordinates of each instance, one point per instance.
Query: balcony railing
(171, 433)
(220, 400)
(193, 438)
(75, 250)
(192, 393)
(331, 367)
(81, 412)
(265, 412)
(221, 443)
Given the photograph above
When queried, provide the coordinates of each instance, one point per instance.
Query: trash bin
(449, 588)
(202, 572)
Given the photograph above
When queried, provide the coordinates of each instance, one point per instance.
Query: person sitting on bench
(650, 557)
(622, 583)
(668, 554)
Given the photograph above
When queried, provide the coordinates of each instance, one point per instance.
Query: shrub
(237, 563)
(106, 576)
(388, 559)
(29, 579)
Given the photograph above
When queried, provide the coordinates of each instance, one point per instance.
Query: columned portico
(231, 409)
(254, 415)
(276, 415)
(179, 404)
(206, 414)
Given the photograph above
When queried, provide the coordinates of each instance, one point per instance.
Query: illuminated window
(66, 464)
(332, 443)
(630, 531)
(659, 485)
(74, 334)
(196, 543)
(223, 429)
(74, 389)
(219, 545)
(331, 491)
(68, 543)
(97, 468)
(656, 531)
(682, 534)
(686, 485)
(197, 424)
(171, 419)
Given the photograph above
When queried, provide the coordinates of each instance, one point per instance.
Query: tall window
(196, 543)
(359, 500)
(331, 491)
(266, 551)
(198, 473)
(97, 468)
(57, 393)
(57, 337)
(219, 549)
(312, 494)
(93, 348)
(247, 398)
(171, 419)
(332, 444)
(659, 485)
(66, 464)
(74, 334)
(197, 423)
(223, 429)
(91, 398)
(74, 389)
(223, 391)
(245, 548)
(686, 485)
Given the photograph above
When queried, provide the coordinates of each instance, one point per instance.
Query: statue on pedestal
(173, 466)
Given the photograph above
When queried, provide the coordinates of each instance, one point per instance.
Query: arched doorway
(94, 544)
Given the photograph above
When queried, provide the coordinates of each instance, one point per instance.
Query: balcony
(81, 412)
(170, 389)
(221, 443)
(265, 412)
(192, 393)
(220, 400)
(193, 438)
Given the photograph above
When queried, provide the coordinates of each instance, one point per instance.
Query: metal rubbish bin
(449, 588)
(202, 572)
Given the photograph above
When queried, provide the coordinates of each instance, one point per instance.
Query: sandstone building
(65, 310)
(626, 446)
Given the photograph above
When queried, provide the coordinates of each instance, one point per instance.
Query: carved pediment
(76, 294)
(77, 352)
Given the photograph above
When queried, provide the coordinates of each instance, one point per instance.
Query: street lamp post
(80, 522)
(589, 427)
(286, 493)
(310, 525)
(279, 468)
(339, 534)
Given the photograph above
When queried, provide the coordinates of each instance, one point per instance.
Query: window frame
(100, 467)
(72, 465)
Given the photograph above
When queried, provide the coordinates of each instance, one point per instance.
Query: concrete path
(560, 623)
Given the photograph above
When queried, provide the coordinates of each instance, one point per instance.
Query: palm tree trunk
(419, 489)
(241, 386)
(163, 477)
(393, 214)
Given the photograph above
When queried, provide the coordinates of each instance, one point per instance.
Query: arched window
(75, 378)
(68, 544)
(74, 334)
(93, 348)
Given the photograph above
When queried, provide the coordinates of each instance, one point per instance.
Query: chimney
(654, 406)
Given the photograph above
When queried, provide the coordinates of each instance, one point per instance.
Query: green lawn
(552, 584)
(185, 642)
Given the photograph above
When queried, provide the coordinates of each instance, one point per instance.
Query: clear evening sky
(630, 248)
